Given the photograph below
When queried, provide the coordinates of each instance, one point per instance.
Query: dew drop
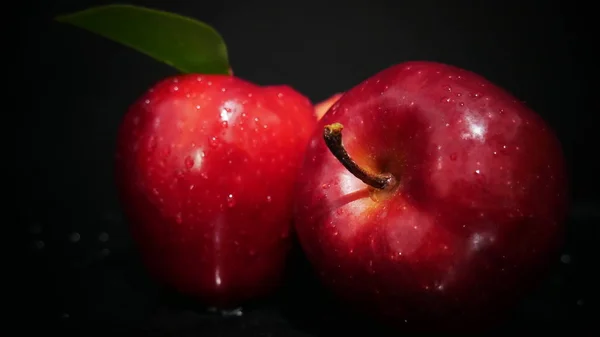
(74, 237)
(279, 95)
(213, 141)
(147, 101)
(223, 89)
(445, 100)
(461, 104)
(230, 200)
(224, 124)
(197, 107)
(458, 94)
(103, 237)
(269, 199)
(189, 162)
(477, 172)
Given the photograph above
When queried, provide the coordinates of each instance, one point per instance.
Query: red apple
(205, 168)
(443, 204)
(322, 107)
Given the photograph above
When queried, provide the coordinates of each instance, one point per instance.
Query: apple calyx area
(332, 134)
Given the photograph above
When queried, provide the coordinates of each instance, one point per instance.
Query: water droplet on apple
(198, 107)
(269, 199)
(445, 100)
(448, 88)
(174, 88)
(461, 104)
(453, 157)
(477, 171)
(223, 89)
(458, 94)
(213, 141)
(326, 186)
(179, 218)
(476, 95)
(209, 83)
(230, 200)
(224, 124)
(188, 162)
(147, 101)
(279, 95)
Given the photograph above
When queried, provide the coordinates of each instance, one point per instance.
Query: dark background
(82, 273)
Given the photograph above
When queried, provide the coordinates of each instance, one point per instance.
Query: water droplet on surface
(223, 89)
(445, 100)
(103, 237)
(230, 200)
(74, 237)
(213, 141)
(458, 94)
(179, 218)
(269, 199)
(35, 229)
(477, 172)
(38, 244)
(447, 88)
(461, 104)
(188, 162)
(224, 124)
(453, 156)
(175, 88)
(279, 95)
(147, 101)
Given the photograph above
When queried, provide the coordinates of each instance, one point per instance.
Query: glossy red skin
(478, 213)
(206, 167)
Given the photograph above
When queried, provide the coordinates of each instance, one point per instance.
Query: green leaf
(184, 43)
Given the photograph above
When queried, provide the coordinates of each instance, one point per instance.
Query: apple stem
(333, 139)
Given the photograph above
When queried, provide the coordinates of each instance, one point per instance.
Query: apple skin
(474, 221)
(205, 169)
(322, 107)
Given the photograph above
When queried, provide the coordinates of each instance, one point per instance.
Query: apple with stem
(430, 198)
(205, 161)
(206, 166)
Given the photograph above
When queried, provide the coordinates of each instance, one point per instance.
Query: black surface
(82, 273)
